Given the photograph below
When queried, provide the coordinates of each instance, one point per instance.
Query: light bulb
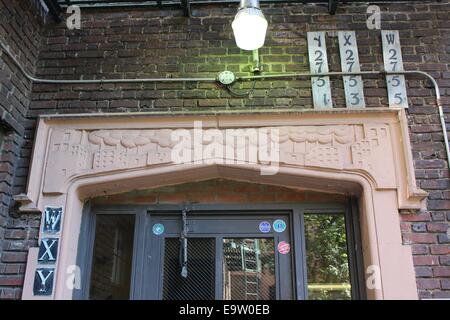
(249, 26)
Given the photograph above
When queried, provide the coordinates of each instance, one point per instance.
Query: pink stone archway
(352, 152)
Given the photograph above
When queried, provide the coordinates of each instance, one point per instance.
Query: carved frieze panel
(340, 147)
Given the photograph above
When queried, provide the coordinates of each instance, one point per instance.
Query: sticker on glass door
(158, 229)
(279, 226)
(284, 247)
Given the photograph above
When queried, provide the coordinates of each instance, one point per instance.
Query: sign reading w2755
(353, 84)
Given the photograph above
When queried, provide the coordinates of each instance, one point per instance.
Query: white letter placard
(353, 85)
(318, 63)
(392, 56)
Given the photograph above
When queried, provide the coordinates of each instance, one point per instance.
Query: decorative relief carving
(324, 157)
(361, 153)
(319, 146)
(74, 152)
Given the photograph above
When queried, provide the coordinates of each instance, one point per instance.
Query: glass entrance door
(229, 257)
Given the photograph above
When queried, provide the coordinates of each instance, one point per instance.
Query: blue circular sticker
(264, 227)
(279, 225)
(158, 229)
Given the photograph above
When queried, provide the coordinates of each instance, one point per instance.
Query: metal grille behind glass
(200, 281)
(249, 269)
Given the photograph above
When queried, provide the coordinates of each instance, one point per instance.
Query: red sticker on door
(284, 247)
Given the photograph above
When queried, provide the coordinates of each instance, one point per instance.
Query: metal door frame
(295, 211)
(231, 216)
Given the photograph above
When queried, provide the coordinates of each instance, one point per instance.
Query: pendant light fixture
(249, 26)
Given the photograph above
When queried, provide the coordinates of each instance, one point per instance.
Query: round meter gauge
(226, 77)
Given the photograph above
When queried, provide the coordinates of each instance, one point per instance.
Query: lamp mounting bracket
(186, 5)
(332, 6)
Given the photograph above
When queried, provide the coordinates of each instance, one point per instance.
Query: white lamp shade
(249, 28)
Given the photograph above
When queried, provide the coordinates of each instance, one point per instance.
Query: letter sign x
(48, 250)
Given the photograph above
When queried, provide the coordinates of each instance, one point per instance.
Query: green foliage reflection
(327, 257)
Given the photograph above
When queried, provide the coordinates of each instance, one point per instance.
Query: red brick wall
(220, 191)
(163, 43)
(20, 29)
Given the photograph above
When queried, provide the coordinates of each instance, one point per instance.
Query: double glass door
(308, 252)
(225, 257)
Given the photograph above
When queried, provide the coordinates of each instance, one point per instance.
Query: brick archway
(349, 152)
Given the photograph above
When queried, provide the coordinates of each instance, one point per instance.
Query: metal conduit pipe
(253, 77)
(96, 81)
